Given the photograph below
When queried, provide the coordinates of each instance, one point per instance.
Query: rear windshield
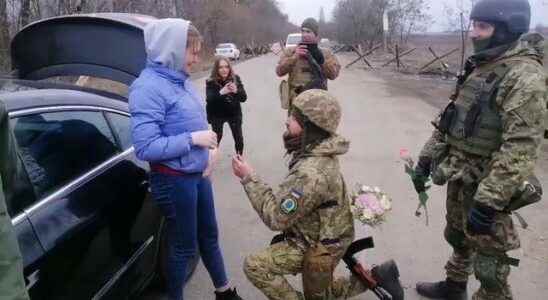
(224, 46)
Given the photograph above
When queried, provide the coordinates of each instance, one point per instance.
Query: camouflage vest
(476, 125)
(336, 221)
(299, 76)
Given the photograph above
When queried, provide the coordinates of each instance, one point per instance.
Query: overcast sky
(298, 10)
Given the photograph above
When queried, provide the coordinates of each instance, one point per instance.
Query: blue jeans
(187, 204)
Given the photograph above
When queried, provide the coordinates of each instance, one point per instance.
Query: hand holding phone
(302, 50)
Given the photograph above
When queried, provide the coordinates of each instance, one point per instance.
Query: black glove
(316, 53)
(481, 219)
(422, 172)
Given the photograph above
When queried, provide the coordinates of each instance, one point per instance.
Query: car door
(19, 197)
(90, 198)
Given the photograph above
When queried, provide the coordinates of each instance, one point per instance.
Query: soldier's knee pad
(491, 271)
(455, 238)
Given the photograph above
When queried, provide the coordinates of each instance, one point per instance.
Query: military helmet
(320, 107)
(516, 14)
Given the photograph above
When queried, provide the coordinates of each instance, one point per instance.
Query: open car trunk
(104, 45)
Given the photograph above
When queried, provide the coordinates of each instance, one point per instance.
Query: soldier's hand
(419, 182)
(422, 172)
(301, 51)
(240, 167)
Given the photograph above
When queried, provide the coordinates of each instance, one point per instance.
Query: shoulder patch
(288, 206)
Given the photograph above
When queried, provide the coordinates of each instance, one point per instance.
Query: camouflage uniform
(311, 207)
(489, 167)
(12, 284)
(299, 69)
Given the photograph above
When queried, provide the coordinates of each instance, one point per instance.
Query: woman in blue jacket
(170, 131)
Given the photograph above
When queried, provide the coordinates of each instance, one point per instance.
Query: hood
(165, 42)
(531, 44)
(335, 145)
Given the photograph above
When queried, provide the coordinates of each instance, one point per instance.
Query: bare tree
(357, 21)
(322, 16)
(179, 11)
(407, 17)
(452, 12)
(4, 34)
(245, 22)
(24, 14)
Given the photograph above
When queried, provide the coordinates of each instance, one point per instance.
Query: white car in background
(228, 50)
(293, 39)
(325, 43)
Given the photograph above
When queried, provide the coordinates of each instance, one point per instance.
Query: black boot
(229, 294)
(448, 289)
(388, 277)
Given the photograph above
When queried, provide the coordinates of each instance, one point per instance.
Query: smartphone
(305, 44)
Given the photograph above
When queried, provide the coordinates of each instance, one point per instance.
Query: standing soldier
(311, 208)
(485, 147)
(308, 66)
(12, 284)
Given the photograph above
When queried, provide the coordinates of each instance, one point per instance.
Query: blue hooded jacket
(165, 107)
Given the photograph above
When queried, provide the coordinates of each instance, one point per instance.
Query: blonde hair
(194, 38)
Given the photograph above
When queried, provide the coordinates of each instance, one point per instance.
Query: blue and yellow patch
(288, 206)
(296, 194)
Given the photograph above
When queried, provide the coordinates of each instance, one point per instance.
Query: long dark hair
(214, 76)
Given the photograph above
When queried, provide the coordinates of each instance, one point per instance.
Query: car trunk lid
(104, 45)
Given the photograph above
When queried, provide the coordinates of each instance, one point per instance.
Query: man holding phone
(308, 66)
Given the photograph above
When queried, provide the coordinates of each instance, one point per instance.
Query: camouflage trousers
(266, 270)
(12, 284)
(485, 255)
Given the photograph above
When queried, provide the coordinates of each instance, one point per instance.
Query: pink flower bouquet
(370, 205)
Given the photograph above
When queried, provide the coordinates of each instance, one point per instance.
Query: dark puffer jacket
(224, 106)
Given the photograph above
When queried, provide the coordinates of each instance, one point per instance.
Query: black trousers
(235, 124)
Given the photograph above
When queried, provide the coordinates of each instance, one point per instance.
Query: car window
(58, 147)
(122, 128)
(19, 193)
(224, 46)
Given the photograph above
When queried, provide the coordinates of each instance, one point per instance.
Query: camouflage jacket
(288, 60)
(311, 204)
(521, 102)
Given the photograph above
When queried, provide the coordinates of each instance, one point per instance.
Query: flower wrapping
(370, 205)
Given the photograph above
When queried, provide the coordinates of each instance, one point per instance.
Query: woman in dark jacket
(224, 93)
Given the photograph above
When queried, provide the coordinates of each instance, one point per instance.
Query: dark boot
(388, 277)
(448, 289)
(229, 294)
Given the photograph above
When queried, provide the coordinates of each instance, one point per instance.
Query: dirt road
(379, 116)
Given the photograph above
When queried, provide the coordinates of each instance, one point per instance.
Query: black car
(86, 225)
